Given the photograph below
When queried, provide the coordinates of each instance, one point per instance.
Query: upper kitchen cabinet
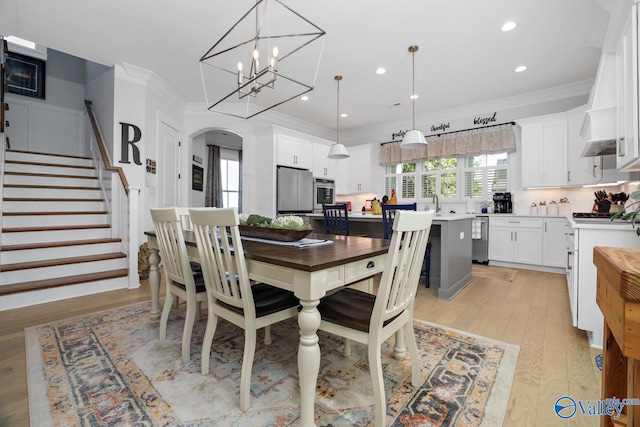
(294, 152)
(323, 167)
(364, 165)
(628, 145)
(544, 151)
(580, 170)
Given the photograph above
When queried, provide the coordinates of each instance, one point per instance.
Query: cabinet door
(323, 167)
(580, 170)
(527, 247)
(500, 244)
(342, 176)
(554, 244)
(544, 151)
(294, 152)
(363, 171)
(627, 90)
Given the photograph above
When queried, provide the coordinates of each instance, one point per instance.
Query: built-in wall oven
(323, 193)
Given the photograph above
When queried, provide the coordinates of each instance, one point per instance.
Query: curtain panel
(488, 140)
(213, 185)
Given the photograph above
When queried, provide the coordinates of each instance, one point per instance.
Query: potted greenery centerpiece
(631, 215)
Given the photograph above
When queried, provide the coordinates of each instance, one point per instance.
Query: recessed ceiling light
(414, 96)
(520, 69)
(304, 98)
(508, 26)
(380, 71)
(344, 115)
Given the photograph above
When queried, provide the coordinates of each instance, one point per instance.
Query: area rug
(493, 272)
(110, 369)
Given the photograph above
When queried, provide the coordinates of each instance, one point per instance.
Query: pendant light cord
(338, 78)
(413, 49)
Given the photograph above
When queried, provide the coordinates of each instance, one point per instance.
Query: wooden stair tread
(55, 213)
(48, 154)
(49, 199)
(50, 175)
(51, 187)
(61, 281)
(61, 261)
(27, 246)
(57, 228)
(61, 165)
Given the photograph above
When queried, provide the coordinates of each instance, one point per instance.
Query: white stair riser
(25, 299)
(56, 170)
(43, 158)
(23, 238)
(38, 180)
(35, 206)
(52, 220)
(60, 193)
(31, 274)
(29, 255)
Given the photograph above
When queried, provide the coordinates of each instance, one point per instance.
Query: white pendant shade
(413, 139)
(338, 151)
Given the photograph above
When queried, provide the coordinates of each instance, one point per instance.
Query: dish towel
(476, 229)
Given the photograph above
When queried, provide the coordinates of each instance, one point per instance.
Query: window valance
(486, 140)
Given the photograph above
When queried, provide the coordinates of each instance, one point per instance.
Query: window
(230, 177)
(450, 179)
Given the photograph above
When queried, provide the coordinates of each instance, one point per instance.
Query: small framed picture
(25, 75)
(197, 178)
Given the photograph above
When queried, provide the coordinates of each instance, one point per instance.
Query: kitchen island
(450, 246)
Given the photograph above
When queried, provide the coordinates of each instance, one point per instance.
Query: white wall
(99, 89)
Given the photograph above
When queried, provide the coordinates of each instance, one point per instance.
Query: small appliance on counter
(348, 203)
(502, 203)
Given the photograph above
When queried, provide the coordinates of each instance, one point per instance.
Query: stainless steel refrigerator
(295, 191)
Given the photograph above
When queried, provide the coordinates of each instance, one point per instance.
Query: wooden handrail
(103, 151)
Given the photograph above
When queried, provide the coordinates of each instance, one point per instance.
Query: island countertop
(369, 217)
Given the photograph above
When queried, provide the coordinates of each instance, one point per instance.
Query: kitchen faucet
(436, 201)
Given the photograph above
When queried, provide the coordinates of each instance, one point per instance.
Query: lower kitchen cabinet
(554, 244)
(516, 239)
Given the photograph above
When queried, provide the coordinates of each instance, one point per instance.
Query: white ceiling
(464, 58)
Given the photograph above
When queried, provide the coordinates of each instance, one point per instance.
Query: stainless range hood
(599, 148)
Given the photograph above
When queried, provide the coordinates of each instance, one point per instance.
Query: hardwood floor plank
(532, 312)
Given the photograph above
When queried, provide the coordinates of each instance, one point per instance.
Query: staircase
(56, 235)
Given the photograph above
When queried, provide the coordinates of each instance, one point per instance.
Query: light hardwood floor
(532, 311)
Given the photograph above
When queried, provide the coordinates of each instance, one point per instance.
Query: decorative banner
(485, 120)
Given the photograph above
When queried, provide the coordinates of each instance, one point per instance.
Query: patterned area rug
(492, 272)
(109, 368)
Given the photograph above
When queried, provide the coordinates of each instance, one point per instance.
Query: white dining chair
(372, 319)
(180, 279)
(230, 294)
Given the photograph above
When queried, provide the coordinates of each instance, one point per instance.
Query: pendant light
(338, 151)
(414, 138)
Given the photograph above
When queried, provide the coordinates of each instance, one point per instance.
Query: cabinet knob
(371, 264)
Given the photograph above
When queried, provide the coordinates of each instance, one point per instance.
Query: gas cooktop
(593, 214)
(596, 217)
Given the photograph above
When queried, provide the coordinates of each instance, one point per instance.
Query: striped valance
(487, 140)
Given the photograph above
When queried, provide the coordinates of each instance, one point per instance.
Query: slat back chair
(389, 212)
(180, 279)
(372, 319)
(336, 220)
(230, 294)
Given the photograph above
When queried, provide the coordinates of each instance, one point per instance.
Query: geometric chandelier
(268, 57)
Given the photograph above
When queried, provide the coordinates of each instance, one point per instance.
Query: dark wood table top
(343, 250)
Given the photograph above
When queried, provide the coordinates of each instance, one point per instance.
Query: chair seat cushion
(268, 299)
(198, 278)
(348, 307)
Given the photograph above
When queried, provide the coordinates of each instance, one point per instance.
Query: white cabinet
(554, 243)
(323, 167)
(516, 239)
(343, 176)
(628, 146)
(294, 152)
(362, 178)
(580, 170)
(544, 151)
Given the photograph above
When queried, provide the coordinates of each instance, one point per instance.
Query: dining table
(310, 272)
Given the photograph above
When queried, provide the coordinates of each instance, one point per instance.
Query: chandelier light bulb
(240, 75)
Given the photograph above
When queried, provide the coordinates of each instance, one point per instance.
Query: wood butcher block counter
(451, 246)
(618, 296)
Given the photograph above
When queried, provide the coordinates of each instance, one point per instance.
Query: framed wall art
(25, 75)
(197, 178)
